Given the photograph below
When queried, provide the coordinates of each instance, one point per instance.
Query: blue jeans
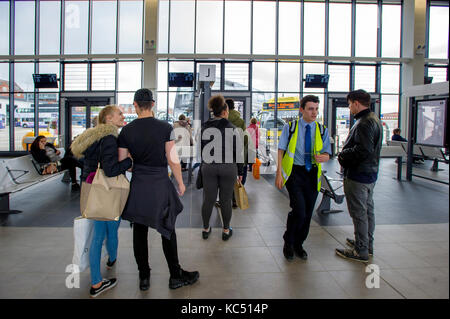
(102, 229)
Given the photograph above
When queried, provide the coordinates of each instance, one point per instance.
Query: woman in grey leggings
(222, 163)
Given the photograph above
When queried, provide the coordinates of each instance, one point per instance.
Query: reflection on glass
(365, 78)
(366, 30)
(314, 26)
(23, 119)
(130, 76)
(288, 77)
(104, 15)
(289, 28)
(182, 19)
(163, 26)
(48, 109)
(236, 76)
(209, 27)
(49, 25)
(75, 77)
(23, 77)
(130, 26)
(438, 33)
(24, 27)
(76, 27)
(391, 19)
(237, 27)
(103, 76)
(264, 15)
(4, 27)
(340, 41)
(390, 79)
(438, 74)
(339, 78)
(263, 76)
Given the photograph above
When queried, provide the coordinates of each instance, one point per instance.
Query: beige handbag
(105, 198)
(241, 195)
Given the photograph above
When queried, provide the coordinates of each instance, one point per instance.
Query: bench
(394, 150)
(17, 174)
(328, 190)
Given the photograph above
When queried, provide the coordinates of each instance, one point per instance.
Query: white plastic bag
(83, 232)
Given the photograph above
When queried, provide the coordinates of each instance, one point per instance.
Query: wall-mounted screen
(45, 81)
(432, 122)
(178, 79)
(316, 81)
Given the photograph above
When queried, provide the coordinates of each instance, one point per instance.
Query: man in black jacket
(360, 158)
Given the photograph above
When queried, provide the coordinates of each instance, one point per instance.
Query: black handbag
(199, 181)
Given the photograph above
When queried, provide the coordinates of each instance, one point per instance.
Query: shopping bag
(241, 195)
(106, 197)
(255, 168)
(83, 230)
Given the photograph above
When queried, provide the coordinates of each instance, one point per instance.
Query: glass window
(4, 27)
(180, 103)
(182, 66)
(104, 76)
(49, 27)
(4, 77)
(182, 19)
(438, 33)
(236, 76)
(24, 27)
(366, 30)
(4, 106)
(264, 16)
(160, 108)
(288, 107)
(365, 78)
(263, 76)
(260, 111)
(209, 26)
(76, 27)
(125, 101)
(237, 27)
(389, 115)
(23, 77)
(23, 119)
(314, 29)
(339, 78)
(47, 68)
(162, 75)
(390, 79)
(312, 68)
(218, 80)
(438, 74)
(288, 77)
(130, 26)
(104, 14)
(340, 34)
(391, 24)
(289, 22)
(163, 26)
(130, 76)
(48, 109)
(75, 77)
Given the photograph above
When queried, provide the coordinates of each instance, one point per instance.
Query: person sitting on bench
(47, 156)
(397, 137)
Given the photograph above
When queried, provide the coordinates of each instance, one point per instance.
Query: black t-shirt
(146, 139)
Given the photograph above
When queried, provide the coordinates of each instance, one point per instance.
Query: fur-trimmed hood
(83, 141)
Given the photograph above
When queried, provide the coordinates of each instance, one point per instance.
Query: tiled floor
(413, 258)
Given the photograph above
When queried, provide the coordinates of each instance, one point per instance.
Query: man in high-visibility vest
(303, 146)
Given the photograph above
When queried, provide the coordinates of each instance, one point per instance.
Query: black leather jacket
(361, 151)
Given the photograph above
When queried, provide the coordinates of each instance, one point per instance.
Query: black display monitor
(316, 81)
(177, 79)
(45, 81)
(431, 125)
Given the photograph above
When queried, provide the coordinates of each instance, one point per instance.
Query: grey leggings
(218, 177)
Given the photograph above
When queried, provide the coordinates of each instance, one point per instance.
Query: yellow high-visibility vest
(288, 159)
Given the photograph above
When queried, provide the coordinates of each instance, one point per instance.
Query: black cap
(143, 95)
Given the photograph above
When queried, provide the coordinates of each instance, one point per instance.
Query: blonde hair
(107, 110)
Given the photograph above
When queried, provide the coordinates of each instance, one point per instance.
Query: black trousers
(302, 188)
(71, 164)
(140, 247)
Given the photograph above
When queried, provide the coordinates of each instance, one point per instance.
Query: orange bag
(255, 168)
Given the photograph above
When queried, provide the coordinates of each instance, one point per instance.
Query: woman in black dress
(153, 200)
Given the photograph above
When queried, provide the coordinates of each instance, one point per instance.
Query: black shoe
(110, 264)
(205, 234)
(144, 284)
(351, 243)
(352, 255)
(226, 236)
(185, 278)
(300, 252)
(106, 285)
(75, 187)
(288, 252)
